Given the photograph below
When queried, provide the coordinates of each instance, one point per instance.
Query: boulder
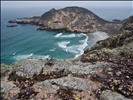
(110, 95)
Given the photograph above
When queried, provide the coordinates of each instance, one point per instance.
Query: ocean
(24, 41)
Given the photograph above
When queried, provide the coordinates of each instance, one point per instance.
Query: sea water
(24, 41)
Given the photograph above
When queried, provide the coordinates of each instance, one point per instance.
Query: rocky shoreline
(103, 72)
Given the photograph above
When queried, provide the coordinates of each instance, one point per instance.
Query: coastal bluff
(103, 72)
(72, 19)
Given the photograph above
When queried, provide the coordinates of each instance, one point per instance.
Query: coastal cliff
(103, 72)
(72, 19)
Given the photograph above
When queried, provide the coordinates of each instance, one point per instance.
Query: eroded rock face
(5, 70)
(109, 95)
(73, 19)
(121, 40)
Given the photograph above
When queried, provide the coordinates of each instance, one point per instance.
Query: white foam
(14, 54)
(79, 35)
(58, 35)
(20, 57)
(52, 49)
(42, 56)
(68, 36)
(63, 44)
(81, 41)
(73, 49)
(82, 46)
(65, 36)
(31, 54)
(78, 49)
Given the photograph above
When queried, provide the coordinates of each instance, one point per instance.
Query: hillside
(72, 19)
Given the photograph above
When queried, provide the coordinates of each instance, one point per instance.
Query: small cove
(24, 41)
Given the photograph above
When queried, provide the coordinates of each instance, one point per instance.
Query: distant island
(12, 25)
(103, 72)
(72, 19)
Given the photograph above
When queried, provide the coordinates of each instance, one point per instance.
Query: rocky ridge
(72, 19)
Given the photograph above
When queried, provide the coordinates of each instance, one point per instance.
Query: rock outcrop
(73, 19)
(118, 50)
(116, 42)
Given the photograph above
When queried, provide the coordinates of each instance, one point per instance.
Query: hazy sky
(66, 3)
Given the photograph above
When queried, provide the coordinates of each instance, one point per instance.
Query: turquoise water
(24, 41)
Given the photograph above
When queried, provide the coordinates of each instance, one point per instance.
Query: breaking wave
(42, 56)
(20, 57)
(79, 49)
(68, 36)
(58, 35)
(76, 49)
(64, 36)
(63, 44)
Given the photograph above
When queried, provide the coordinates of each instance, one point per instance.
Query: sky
(105, 9)
(66, 3)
